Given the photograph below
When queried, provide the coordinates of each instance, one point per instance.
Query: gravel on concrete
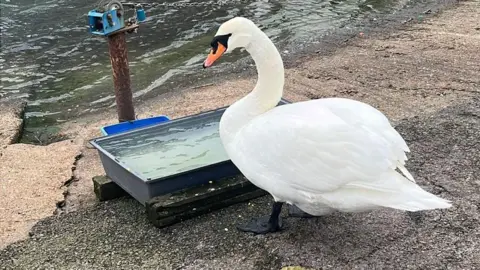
(32, 177)
(32, 184)
(445, 161)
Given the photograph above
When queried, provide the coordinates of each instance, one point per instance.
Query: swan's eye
(213, 43)
(222, 39)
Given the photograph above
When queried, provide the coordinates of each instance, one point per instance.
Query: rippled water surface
(48, 57)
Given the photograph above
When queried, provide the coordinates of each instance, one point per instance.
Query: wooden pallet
(168, 209)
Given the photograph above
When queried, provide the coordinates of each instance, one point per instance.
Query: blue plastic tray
(145, 189)
(127, 126)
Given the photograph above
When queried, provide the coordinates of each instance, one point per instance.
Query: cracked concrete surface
(446, 161)
(31, 177)
(32, 182)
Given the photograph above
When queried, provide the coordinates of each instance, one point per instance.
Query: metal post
(117, 46)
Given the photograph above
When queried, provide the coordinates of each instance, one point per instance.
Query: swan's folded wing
(311, 149)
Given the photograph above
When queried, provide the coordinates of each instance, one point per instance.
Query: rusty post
(117, 46)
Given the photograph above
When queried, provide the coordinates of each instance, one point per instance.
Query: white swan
(319, 155)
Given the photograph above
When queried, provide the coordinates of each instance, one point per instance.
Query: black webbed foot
(264, 225)
(261, 225)
(296, 212)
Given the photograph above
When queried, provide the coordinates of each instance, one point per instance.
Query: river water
(48, 57)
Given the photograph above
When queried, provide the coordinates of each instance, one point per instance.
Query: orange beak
(214, 55)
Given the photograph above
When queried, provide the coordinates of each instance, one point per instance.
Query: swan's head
(232, 34)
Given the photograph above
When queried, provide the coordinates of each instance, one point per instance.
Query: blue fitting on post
(141, 16)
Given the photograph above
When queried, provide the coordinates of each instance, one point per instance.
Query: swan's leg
(294, 211)
(265, 224)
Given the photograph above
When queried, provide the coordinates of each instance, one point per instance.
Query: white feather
(306, 154)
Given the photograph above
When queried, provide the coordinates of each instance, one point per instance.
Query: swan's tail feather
(393, 191)
(422, 204)
(405, 172)
(416, 198)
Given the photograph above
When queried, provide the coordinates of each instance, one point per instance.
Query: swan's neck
(269, 88)
(267, 92)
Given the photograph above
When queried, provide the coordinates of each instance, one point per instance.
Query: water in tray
(174, 150)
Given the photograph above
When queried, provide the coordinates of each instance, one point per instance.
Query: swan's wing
(309, 147)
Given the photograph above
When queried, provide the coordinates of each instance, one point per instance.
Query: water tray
(166, 157)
